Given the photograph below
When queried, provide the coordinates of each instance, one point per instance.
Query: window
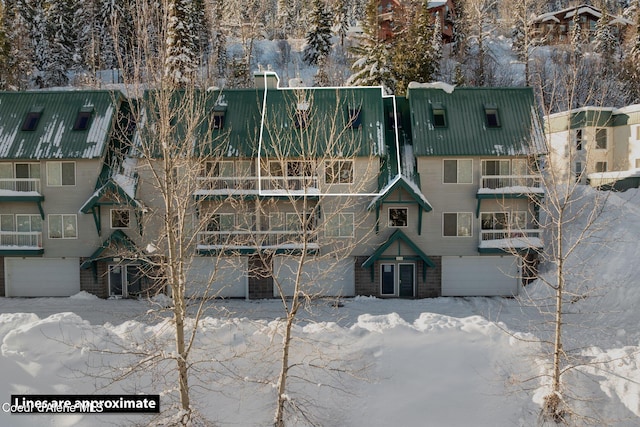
(340, 225)
(221, 222)
(61, 173)
(491, 115)
(398, 217)
(339, 172)
(456, 224)
(218, 119)
(27, 170)
(496, 167)
(120, 218)
(294, 221)
(578, 138)
(458, 171)
(355, 118)
(439, 119)
(6, 223)
(30, 122)
(28, 223)
(578, 170)
(601, 166)
(63, 227)
(83, 118)
(299, 168)
(215, 169)
(601, 139)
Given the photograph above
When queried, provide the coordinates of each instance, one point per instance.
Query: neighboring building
(433, 194)
(389, 10)
(54, 146)
(596, 145)
(557, 27)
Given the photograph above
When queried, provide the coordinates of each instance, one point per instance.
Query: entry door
(116, 279)
(406, 279)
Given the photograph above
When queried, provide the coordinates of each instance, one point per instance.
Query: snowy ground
(371, 362)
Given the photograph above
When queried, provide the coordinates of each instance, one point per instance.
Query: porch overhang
(117, 239)
(397, 237)
(36, 252)
(31, 196)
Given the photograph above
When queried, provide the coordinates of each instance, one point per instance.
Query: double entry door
(124, 279)
(397, 279)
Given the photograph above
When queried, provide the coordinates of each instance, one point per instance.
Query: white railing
(254, 238)
(512, 235)
(20, 184)
(505, 181)
(23, 239)
(270, 183)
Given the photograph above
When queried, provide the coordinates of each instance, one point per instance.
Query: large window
(601, 139)
(120, 218)
(339, 172)
(340, 225)
(601, 166)
(458, 171)
(398, 217)
(503, 220)
(221, 222)
(456, 224)
(496, 167)
(63, 226)
(28, 223)
(61, 173)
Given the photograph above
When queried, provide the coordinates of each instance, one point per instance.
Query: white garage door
(321, 276)
(480, 276)
(41, 277)
(224, 277)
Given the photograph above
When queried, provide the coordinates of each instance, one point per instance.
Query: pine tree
(180, 50)
(372, 66)
(319, 35)
(238, 74)
(631, 66)
(604, 42)
(460, 30)
(4, 48)
(58, 27)
(341, 19)
(20, 59)
(417, 48)
(576, 37)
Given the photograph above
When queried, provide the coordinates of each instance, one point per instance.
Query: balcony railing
(253, 239)
(21, 239)
(20, 184)
(529, 238)
(249, 184)
(492, 182)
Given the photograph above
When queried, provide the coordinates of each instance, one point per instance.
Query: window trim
(457, 225)
(111, 212)
(62, 236)
(51, 163)
(458, 160)
(405, 208)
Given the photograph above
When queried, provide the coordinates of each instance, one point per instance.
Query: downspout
(262, 115)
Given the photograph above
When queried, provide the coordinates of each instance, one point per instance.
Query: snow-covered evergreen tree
(460, 30)
(631, 65)
(576, 37)
(341, 19)
(238, 74)
(605, 43)
(4, 48)
(417, 48)
(372, 66)
(318, 37)
(180, 45)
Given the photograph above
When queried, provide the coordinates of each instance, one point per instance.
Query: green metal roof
(53, 135)
(347, 121)
(328, 117)
(466, 131)
(582, 117)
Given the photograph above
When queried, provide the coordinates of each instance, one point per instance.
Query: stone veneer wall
(98, 286)
(429, 288)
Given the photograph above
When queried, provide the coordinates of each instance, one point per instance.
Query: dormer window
(218, 119)
(492, 117)
(33, 117)
(439, 116)
(355, 118)
(302, 115)
(83, 118)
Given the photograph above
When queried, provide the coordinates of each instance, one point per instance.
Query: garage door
(224, 277)
(480, 276)
(42, 277)
(322, 276)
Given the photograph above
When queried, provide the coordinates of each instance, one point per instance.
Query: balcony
(251, 241)
(21, 243)
(510, 240)
(513, 184)
(20, 185)
(274, 185)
